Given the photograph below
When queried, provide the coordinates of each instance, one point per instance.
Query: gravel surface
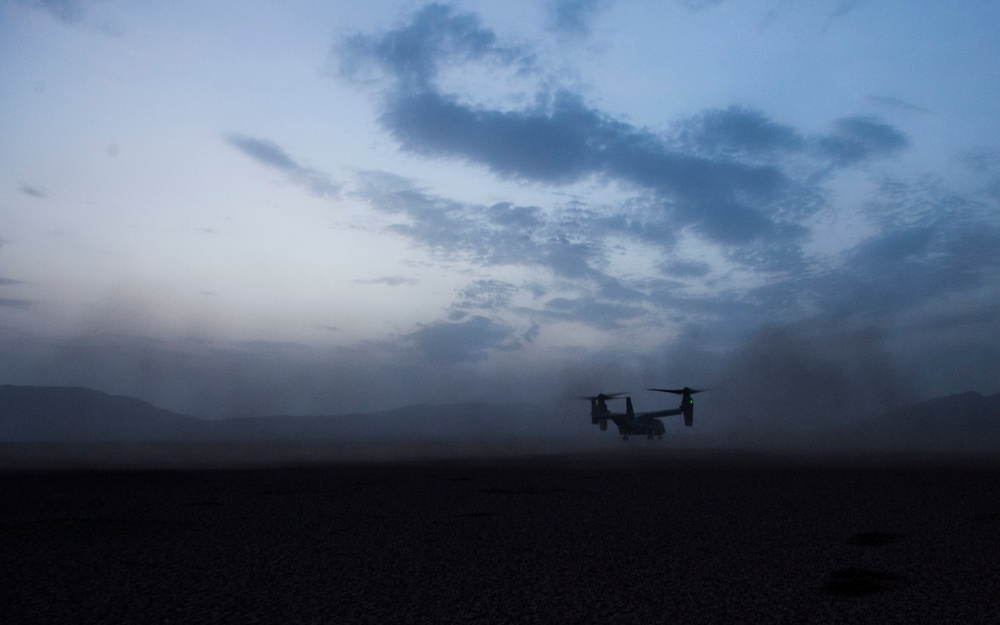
(683, 537)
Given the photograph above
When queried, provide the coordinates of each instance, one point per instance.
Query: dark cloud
(7, 302)
(738, 131)
(414, 53)
(733, 177)
(844, 7)
(985, 163)
(565, 141)
(981, 160)
(494, 235)
(906, 268)
(932, 247)
(501, 234)
(718, 176)
(604, 315)
(573, 17)
(469, 340)
(264, 152)
(548, 144)
(270, 154)
(889, 250)
(485, 295)
(32, 191)
(856, 139)
(686, 268)
(895, 104)
(66, 11)
(532, 333)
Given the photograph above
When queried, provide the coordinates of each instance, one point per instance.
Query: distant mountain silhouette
(57, 413)
(964, 421)
(61, 414)
(423, 421)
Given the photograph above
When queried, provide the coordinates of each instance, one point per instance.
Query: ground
(638, 535)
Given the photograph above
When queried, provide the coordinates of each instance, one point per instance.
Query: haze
(319, 208)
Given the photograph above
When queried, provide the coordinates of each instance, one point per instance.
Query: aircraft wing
(613, 415)
(661, 413)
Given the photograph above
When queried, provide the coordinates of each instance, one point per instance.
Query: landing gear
(624, 437)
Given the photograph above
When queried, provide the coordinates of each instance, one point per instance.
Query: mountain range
(965, 421)
(73, 414)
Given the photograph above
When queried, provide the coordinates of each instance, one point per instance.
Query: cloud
(491, 235)
(473, 339)
(32, 191)
(572, 17)
(489, 295)
(66, 11)
(733, 181)
(390, 281)
(856, 139)
(565, 141)
(9, 282)
(414, 53)
(738, 130)
(270, 154)
(981, 160)
(843, 7)
(264, 152)
(930, 246)
(896, 105)
(686, 268)
(603, 315)
(502, 234)
(6, 302)
(719, 176)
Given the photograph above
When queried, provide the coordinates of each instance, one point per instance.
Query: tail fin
(628, 408)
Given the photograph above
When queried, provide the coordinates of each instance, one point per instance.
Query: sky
(324, 207)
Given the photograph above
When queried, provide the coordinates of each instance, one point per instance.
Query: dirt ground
(627, 537)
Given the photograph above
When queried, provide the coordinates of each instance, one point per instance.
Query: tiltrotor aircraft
(647, 423)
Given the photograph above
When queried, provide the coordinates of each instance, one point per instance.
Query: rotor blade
(604, 396)
(680, 391)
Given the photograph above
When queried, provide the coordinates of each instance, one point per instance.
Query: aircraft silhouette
(647, 423)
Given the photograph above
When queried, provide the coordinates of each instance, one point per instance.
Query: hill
(964, 421)
(72, 414)
(57, 414)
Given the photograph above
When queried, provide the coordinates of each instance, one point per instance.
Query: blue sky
(225, 207)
